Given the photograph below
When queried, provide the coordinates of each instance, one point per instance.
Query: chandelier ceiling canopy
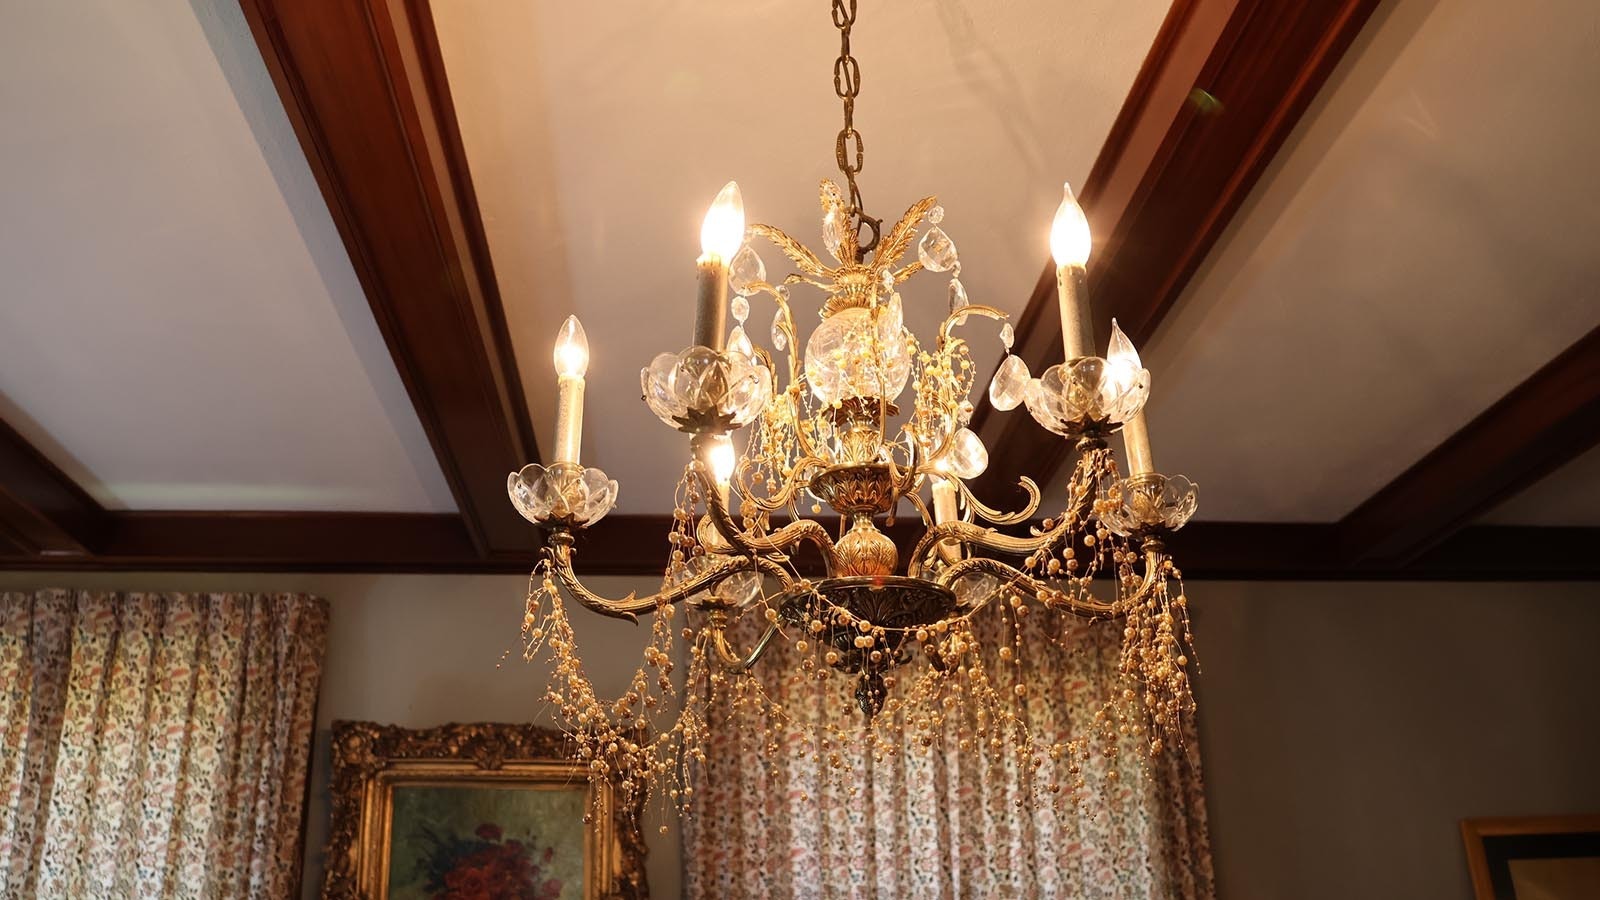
(863, 417)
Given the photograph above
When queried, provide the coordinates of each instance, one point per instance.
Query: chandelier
(870, 421)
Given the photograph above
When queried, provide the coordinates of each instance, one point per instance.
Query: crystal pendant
(891, 319)
(778, 340)
(935, 215)
(739, 343)
(958, 296)
(740, 307)
(1008, 335)
(936, 250)
(746, 270)
(835, 232)
(966, 456)
(1010, 383)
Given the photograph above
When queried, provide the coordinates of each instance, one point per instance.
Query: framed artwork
(481, 810)
(1536, 858)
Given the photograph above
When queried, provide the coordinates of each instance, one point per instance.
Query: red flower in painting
(484, 867)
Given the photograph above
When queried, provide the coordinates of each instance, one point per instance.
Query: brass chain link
(849, 150)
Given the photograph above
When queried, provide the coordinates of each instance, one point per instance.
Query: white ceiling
(596, 141)
(1423, 243)
(181, 327)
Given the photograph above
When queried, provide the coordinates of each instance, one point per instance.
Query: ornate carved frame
(369, 760)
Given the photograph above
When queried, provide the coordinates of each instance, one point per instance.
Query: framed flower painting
(473, 812)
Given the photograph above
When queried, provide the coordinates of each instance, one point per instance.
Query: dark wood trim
(364, 87)
(1547, 421)
(636, 545)
(1171, 175)
(42, 511)
(279, 542)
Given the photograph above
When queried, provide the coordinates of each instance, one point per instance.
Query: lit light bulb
(722, 231)
(1121, 352)
(721, 458)
(572, 349)
(1069, 232)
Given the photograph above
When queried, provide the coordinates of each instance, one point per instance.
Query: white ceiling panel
(1422, 244)
(596, 139)
(181, 327)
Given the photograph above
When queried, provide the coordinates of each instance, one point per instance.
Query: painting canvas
(1536, 858)
(478, 811)
(512, 841)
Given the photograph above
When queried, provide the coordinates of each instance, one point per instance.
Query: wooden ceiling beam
(1224, 84)
(1545, 422)
(365, 88)
(636, 545)
(43, 512)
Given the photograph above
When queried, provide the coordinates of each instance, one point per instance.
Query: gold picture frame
(1561, 855)
(371, 762)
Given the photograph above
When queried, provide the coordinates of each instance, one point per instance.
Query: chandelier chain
(849, 149)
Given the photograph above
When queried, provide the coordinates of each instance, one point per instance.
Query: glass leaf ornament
(836, 227)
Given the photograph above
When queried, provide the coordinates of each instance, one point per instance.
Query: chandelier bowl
(700, 390)
(1087, 395)
(564, 495)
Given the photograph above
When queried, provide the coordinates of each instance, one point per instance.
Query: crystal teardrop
(740, 307)
(958, 296)
(778, 340)
(745, 270)
(1008, 335)
(739, 343)
(1010, 383)
(966, 456)
(936, 250)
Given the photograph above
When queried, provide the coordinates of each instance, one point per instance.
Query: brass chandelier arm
(989, 514)
(960, 317)
(790, 488)
(758, 545)
(987, 538)
(731, 660)
(560, 553)
(1026, 584)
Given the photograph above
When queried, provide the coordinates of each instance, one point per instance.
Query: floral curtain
(928, 822)
(156, 745)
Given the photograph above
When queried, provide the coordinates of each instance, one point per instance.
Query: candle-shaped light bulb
(572, 360)
(720, 236)
(1069, 244)
(722, 459)
(722, 230)
(1120, 353)
(572, 349)
(1069, 232)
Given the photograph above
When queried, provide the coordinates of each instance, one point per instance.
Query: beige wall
(1345, 727)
